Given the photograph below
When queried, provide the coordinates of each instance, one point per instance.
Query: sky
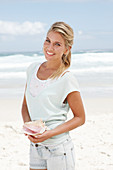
(24, 23)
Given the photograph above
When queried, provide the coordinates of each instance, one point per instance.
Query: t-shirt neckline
(36, 70)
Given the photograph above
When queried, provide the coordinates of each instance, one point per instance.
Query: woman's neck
(53, 65)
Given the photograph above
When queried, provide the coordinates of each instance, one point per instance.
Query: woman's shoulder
(32, 66)
(69, 78)
(68, 74)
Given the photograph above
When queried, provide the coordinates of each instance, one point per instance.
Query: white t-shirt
(45, 99)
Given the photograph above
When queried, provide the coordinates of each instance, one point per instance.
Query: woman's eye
(57, 44)
(48, 40)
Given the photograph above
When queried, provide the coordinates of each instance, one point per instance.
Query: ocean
(93, 70)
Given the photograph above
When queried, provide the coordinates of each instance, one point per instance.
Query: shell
(34, 127)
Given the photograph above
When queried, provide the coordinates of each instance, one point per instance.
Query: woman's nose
(50, 47)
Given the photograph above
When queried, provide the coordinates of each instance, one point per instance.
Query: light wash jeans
(59, 157)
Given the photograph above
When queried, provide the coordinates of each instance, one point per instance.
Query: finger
(33, 139)
(30, 138)
(25, 134)
(37, 135)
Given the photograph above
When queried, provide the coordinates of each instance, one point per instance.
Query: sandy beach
(93, 141)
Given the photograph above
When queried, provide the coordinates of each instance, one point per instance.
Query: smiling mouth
(50, 53)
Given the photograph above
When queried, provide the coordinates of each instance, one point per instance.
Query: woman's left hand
(40, 137)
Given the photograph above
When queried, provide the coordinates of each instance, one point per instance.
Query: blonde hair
(68, 35)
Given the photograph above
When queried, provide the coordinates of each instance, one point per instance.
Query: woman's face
(54, 47)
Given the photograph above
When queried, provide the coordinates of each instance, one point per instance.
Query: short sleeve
(70, 85)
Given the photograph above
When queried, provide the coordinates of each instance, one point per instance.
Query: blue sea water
(93, 69)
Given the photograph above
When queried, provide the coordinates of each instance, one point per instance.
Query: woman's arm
(24, 111)
(76, 105)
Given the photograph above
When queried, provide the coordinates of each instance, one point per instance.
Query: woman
(51, 91)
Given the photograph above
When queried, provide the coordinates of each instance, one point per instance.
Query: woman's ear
(67, 50)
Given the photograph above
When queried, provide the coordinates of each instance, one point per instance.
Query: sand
(93, 141)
